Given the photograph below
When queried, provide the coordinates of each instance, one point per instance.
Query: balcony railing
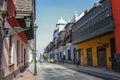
(100, 28)
(68, 37)
(59, 43)
(96, 22)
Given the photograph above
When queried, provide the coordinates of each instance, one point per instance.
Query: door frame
(89, 57)
(101, 64)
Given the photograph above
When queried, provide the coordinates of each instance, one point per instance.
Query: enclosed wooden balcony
(68, 32)
(68, 36)
(97, 21)
(24, 8)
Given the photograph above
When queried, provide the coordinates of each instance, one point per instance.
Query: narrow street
(60, 40)
(51, 71)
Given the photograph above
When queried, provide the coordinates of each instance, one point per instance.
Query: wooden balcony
(96, 22)
(100, 28)
(68, 37)
(24, 8)
(59, 43)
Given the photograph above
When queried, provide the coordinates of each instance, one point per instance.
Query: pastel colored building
(14, 40)
(97, 35)
(93, 37)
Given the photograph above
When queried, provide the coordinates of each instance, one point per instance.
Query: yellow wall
(94, 44)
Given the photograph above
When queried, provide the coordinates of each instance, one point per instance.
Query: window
(21, 52)
(17, 51)
(69, 55)
(10, 45)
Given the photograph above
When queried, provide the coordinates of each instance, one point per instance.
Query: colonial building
(14, 36)
(2, 2)
(61, 47)
(96, 35)
(116, 17)
(45, 54)
(70, 50)
(93, 37)
(70, 55)
(58, 39)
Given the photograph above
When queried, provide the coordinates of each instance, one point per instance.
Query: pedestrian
(78, 63)
(63, 61)
(60, 60)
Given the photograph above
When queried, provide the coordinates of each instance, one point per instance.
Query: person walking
(63, 61)
(78, 63)
(60, 60)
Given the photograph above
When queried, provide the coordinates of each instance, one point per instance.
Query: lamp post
(35, 69)
(17, 29)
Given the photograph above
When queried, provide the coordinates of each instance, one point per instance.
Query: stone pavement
(99, 72)
(28, 74)
(104, 73)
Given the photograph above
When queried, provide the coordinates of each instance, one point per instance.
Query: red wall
(116, 17)
(13, 23)
(10, 8)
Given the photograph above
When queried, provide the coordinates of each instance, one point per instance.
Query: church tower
(60, 25)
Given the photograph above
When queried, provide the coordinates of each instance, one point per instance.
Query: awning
(14, 23)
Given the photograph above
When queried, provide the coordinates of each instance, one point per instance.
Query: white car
(48, 60)
(42, 60)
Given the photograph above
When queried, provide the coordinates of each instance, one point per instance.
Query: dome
(61, 21)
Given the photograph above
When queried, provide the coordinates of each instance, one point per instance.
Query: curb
(97, 74)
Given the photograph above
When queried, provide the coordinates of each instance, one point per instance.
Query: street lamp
(35, 69)
(17, 29)
(27, 21)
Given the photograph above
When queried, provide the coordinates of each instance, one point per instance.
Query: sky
(48, 12)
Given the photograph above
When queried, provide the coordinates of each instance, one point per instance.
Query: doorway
(75, 56)
(89, 56)
(80, 56)
(69, 55)
(101, 56)
(57, 56)
(60, 55)
(113, 51)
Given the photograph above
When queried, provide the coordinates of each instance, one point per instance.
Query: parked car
(52, 60)
(42, 60)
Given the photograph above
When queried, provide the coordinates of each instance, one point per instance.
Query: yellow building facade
(96, 51)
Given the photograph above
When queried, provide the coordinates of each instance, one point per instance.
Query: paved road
(49, 71)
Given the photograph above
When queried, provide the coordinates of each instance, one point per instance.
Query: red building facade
(116, 16)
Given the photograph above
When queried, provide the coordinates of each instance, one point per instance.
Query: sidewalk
(28, 74)
(99, 72)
